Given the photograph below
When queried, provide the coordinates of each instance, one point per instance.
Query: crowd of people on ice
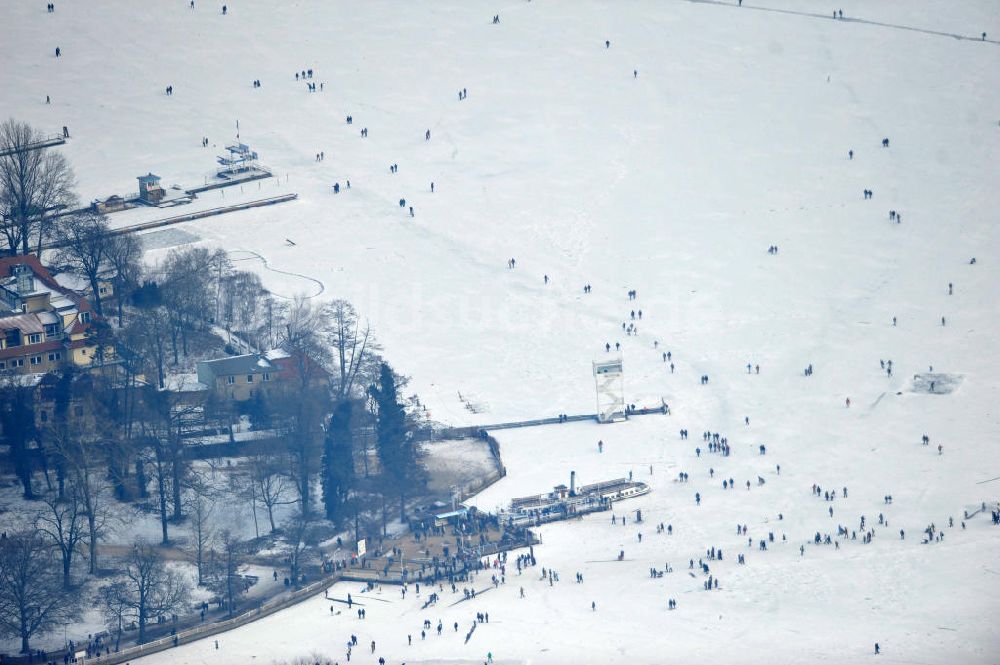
(442, 574)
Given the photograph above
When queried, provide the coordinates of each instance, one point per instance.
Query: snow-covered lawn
(732, 137)
(453, 464)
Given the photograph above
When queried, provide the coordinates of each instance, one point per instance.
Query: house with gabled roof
(242, 377)
(43, 325)
(239, 378)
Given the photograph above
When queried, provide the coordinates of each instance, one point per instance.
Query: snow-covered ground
(126, 522)
(457, 464)
(732, 137)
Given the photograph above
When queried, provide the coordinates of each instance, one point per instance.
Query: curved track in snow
(234, 256)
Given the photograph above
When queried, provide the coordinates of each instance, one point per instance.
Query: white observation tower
(610, 384)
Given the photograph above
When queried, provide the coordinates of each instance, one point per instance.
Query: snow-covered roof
(68, 280)
(183, 383)
(61, 302)
(26, 323)
(47, 318)
(250, 363)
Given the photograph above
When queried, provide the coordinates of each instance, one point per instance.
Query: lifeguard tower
(150, 191)
(610, 384)
(239, 159)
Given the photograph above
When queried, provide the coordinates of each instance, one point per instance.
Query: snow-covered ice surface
(733, 137)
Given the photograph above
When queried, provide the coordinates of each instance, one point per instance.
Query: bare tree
(34, 184)
(304, 402)
(272, 313)
(123, 255)
(271, 487)
(149, 588)
(296, 533)
(32, 600)
(229, 583)
(201, 508)
(76, 453)
(54, 193)
(145, 336)
(62, 522)
(91, 488)
(83, 241)
(158, 435)
(243, 298)
(188, 281)
(354, 346)
(161, 439)
(242, 488)
(112, 599)
(165, 423)
(304, 334)
(299, 414)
